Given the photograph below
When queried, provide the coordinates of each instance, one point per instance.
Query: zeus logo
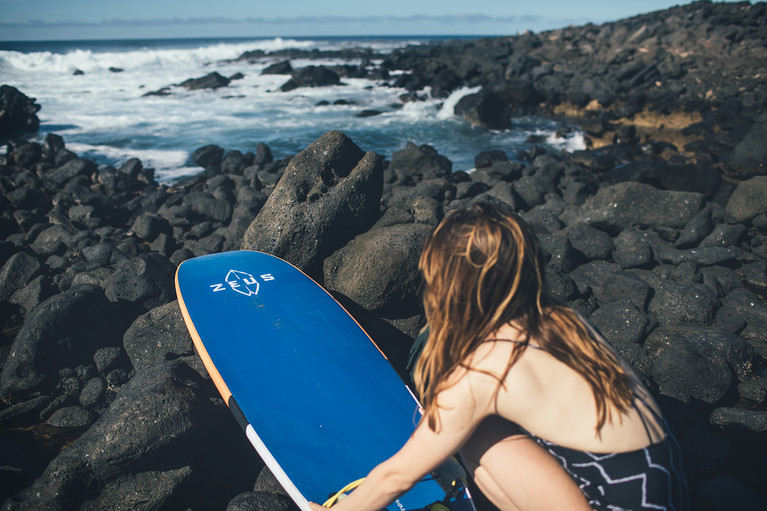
(241, 282)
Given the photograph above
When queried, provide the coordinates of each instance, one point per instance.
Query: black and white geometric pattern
(649, 478)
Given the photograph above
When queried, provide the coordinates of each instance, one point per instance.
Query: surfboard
(316, 397)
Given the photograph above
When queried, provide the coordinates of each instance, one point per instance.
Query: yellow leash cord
(332, 500)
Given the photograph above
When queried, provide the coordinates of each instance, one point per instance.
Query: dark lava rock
(311, 76)
(18, 113)
(64, 331)
(210, 81)
(413, 164)
(631, 204)
(278, 68)
(145, 280)
(390, 285)
(166, 417)
(17, 272)
(208, 157)
(261, 501)
(749, 158)
(157, 336)
(329, 193)
(700, 363)
(485, 109)
(748, 200)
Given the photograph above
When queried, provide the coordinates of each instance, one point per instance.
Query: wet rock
(484, 109)
(609, 283)
(311, 76)
(329, 193)
(208, 156)
(278, 68)
(210, 81)
(157, 336)
(18, 113)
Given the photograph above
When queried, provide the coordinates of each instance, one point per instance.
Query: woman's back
(552, 401)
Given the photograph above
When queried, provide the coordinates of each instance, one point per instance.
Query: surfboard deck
(317, 398)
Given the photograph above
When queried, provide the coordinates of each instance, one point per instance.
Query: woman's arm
(459, 414)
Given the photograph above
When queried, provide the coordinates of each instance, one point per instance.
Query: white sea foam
(106, 114)
(449, 104)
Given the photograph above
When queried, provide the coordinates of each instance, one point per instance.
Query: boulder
(17, 272)
(70, 170)
(311, 76)
(749, 158)
(166, 419)
(625, 205)
(388, 287)
(18, 113)
(157, 336)
(413, 164)
(146, 281)
(700, 363)
(63, 331)
(210, 81)
(484, 109)
(329, 193)
(278, 68)
(748, 200)
(208, 156)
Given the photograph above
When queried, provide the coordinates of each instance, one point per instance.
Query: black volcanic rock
(311, 76)
(485, 109)
(210, 81)
(329, 193)
(18, 113)
(278, 68)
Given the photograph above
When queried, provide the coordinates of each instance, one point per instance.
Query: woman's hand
(316, 507)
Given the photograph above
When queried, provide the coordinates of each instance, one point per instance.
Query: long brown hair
(482, 268)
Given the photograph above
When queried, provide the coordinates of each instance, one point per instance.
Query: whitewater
(92, 93)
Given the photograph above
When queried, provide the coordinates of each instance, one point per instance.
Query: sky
(22, 20)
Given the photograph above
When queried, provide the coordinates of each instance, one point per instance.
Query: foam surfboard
(317, 398)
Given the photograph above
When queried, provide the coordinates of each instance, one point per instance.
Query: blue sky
(113, 19)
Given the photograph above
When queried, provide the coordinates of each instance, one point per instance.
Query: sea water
(103, 113)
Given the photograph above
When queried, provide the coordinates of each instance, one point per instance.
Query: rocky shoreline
(657, 233)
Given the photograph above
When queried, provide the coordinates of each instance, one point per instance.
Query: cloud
(303, 20)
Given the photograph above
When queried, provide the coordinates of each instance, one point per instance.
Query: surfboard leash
(349, 487)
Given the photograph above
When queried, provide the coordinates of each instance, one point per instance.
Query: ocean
(102, 112)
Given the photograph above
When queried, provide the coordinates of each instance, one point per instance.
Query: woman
(524, 388)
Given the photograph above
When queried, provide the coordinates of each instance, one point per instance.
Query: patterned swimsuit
(649, 478)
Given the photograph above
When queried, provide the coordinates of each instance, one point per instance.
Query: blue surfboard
(317, 398)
